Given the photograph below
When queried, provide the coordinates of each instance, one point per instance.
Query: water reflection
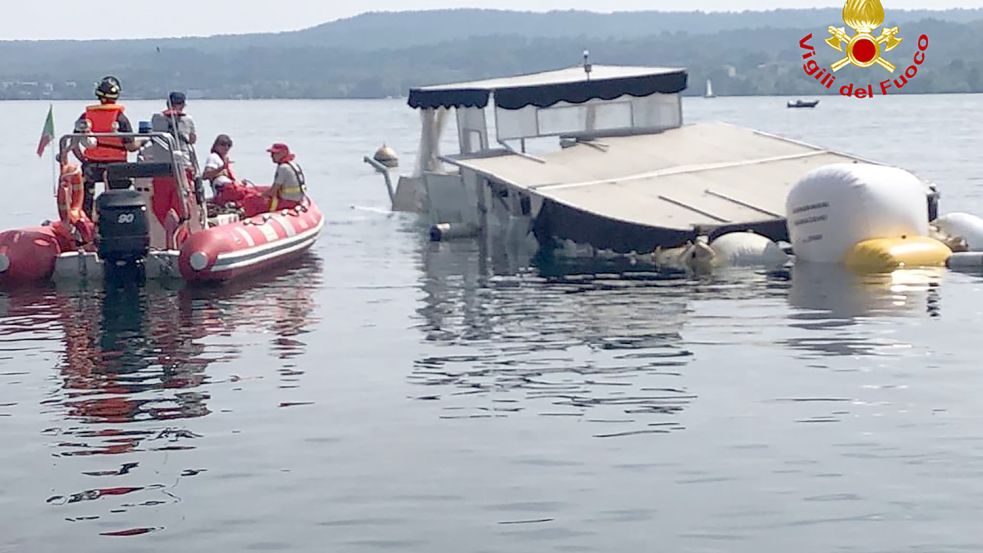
(133, 371)
(830, 302)
(122, 344)
(597, 347)
(611, 341)
(843, 294)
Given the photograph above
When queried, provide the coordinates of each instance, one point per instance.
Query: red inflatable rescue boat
(157, 226)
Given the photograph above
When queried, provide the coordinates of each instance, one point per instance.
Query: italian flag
(48, 134)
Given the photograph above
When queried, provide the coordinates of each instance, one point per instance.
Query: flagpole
(54, 159)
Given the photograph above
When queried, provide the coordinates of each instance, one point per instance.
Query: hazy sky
(75, 19)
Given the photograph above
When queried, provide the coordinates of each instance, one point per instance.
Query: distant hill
(382, 54)
(377, 30)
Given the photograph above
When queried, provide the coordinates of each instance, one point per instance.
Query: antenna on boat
(587, 66)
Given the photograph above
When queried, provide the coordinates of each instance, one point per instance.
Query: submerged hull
(220, 253)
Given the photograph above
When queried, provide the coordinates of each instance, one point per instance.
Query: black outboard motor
(124, 232)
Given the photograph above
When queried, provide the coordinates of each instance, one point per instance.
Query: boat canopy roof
(544, 89)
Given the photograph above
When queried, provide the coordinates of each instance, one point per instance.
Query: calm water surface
(385, 393)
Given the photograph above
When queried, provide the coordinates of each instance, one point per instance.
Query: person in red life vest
(289, 186)
(105, 117)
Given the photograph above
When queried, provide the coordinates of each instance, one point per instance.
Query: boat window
(516, 123)
(584, 118)
(658, 111)
(472, 131)
(626, 113)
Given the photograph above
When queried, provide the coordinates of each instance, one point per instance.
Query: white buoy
(451, 231)
(966, 261)
(962, 225)
(747, 249)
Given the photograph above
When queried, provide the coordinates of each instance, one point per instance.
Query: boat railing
(380, 168)
(171, 167)
(69, 141)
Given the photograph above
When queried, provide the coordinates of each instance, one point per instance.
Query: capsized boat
(151, 222)
(601, 159)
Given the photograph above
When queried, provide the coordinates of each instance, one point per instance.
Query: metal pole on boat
(203, 215)
(587, 66)
(199, 190)
(55, 151)
(54, 168)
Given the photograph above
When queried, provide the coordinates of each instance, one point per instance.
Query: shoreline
(359, 99)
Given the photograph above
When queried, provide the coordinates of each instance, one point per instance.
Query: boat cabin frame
(578, 102)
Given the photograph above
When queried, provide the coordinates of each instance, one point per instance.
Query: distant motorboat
(802, 104)
(709, 92)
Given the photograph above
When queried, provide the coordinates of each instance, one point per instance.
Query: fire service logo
(863, 50)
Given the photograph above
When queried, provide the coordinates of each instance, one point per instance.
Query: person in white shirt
(226, 187)
(218, 168)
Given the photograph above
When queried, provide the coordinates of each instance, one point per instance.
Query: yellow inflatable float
(887, 254)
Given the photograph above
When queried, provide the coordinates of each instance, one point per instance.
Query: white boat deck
(706, 174)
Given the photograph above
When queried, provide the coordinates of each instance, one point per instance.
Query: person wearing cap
(105, 117)
(289, 186)
(174, 115)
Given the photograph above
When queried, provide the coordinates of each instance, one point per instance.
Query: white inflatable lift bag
(747, 249)
(834, 207)
(969, 227)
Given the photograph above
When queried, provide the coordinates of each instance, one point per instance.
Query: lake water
(386, 393)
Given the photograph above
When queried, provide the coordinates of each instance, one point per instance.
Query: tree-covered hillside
(384, 54)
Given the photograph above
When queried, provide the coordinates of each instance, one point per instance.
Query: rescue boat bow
(228, 251)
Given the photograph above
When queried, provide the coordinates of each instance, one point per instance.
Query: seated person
(225, 188)
(218, 166)
(289, 186)
(218, 171)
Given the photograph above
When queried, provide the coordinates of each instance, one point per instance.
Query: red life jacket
(102, 118)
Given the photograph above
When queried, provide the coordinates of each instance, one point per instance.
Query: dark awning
(545, 89)
(422, 98)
